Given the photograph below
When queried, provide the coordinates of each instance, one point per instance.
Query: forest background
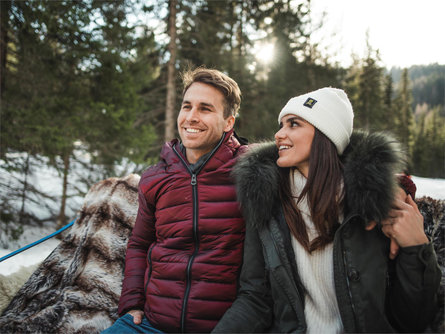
(90, 91)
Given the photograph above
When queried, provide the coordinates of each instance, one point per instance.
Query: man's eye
(186, 106)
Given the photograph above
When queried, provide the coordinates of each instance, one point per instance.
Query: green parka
(374, 294)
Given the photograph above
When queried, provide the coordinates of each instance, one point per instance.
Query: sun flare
(265, 52)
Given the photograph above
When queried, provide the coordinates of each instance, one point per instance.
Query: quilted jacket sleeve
(251, 312)
(413, 298)
(142, 236)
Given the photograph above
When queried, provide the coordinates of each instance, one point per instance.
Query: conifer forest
(92, 88)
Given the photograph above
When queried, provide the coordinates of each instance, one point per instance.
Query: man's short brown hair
(226, 85)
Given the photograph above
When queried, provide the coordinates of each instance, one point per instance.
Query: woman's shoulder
(371, 162)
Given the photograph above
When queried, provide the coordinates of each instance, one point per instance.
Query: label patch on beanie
(310, 102)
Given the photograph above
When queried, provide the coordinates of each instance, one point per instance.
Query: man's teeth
(192, 130)
(283, 147)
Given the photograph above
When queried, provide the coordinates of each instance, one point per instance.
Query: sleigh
(76, 288)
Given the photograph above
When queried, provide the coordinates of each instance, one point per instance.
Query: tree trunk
(240, 34)
(5, 7)
(171, 75)
(25, 186)
(232, 34)
(61, 221)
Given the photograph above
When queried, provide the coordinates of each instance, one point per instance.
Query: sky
(406, 32)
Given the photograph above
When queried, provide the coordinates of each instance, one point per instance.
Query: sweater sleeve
(142, 236)
(251, 311)
(413, 296)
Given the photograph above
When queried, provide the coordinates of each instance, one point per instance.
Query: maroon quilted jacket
(185, 251)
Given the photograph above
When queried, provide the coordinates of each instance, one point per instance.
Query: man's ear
(230, 122)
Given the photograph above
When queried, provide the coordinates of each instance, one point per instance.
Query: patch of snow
(48, 180)
(29, 257)
(434, 188)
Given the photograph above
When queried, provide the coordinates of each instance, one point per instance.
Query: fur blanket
(76, 289)
(433, 212)
(10, 284)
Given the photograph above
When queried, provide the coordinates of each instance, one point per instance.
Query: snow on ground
(434, 188)
(48, 180)
(27, 258)
(32, 255)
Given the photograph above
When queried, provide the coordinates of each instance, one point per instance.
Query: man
(185, 251)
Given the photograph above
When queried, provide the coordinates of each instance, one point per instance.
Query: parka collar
(370, 164)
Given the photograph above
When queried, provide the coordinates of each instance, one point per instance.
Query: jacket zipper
(345, 266)
(194, 183)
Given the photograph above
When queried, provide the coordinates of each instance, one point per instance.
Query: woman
(314, 259)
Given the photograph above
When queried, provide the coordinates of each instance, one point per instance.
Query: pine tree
(287, 75)
(73, 80)
(428, 156)
(388, 103)
(370, 97)
(404, 121)
(436, 134)
(421, 158)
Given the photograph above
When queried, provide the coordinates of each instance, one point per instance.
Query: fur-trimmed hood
(370, 164)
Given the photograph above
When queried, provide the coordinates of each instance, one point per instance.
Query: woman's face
(294, 140)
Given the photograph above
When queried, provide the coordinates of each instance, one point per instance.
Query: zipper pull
(193, 182)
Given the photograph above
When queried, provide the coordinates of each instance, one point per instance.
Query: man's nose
(192, 115)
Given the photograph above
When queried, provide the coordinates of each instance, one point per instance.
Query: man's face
(201, 120)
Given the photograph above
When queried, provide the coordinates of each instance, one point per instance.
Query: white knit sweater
(316, 271)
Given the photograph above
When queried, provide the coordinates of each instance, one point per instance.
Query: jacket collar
(225, 152)
(370, 164)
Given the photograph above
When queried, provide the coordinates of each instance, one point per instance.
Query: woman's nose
(280, 134)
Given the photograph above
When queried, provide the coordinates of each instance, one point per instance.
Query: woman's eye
(294, 124)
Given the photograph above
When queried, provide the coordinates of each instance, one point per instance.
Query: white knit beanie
(328, 109)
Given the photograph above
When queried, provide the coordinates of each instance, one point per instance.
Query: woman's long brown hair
(324, 192)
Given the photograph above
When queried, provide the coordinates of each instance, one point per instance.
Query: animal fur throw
(76, 289)
(433, 212)
(10, 284)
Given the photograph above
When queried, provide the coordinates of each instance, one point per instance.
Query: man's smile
(192, 130)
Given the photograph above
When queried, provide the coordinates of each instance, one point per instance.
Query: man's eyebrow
(207, 105)
(202, 104)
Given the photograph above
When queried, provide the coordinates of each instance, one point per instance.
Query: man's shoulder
(242, 149)
(166, 158)
(153, 170)
(156, 174)
(236, 147)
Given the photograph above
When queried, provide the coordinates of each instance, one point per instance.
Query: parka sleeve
(252, 309)
(413, 295)
(142, 236)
